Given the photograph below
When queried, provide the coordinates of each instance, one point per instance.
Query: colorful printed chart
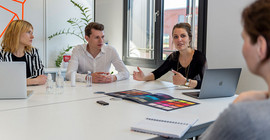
(171, 104)
(158, 100)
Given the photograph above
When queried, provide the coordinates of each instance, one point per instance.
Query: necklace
(187, 68)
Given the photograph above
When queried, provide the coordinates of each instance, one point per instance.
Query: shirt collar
(102, 48)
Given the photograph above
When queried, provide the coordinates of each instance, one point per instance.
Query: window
(141, 29)
(181, 18)
(148, 27)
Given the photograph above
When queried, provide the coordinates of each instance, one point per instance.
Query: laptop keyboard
(192, 94)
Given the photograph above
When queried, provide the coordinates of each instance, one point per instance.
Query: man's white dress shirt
(82, 61)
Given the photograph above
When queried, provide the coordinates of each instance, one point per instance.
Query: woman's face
(181, 39)
(249, 52)
(27, 38)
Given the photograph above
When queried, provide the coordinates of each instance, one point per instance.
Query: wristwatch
(187, 82)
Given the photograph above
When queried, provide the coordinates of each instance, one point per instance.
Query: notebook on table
(173, 125)
(217, 83)
(13, 80)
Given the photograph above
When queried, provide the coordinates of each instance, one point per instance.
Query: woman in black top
(186, 63)
(17, 46)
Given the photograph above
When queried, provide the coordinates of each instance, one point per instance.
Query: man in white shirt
(96, 57)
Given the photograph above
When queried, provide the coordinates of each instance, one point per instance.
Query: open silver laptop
(13, 80)
(218, 83)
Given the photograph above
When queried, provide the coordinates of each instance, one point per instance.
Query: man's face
(96, 39)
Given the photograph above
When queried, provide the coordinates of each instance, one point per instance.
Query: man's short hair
(93, 25)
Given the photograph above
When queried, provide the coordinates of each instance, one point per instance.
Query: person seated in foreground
(248, 117)
(187, 64)
(96, 57)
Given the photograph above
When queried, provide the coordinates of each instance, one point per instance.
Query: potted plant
(76, 29)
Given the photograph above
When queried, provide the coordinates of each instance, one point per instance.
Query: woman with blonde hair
(17, 46)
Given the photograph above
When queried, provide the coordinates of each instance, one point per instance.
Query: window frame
(158, 36)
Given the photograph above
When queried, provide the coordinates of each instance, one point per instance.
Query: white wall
(58, 12)
(110, 13)
(33, 12)
(224, 42)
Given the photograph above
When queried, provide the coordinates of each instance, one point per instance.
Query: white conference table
(76, 115)
(80, 92)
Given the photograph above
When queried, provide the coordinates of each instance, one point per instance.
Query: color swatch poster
(158, 100)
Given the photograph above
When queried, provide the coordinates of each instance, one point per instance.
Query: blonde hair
(11, 38)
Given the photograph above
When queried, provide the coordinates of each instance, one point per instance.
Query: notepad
(169, 124)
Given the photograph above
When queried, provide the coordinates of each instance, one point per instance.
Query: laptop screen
(13, 80)
(219, 83)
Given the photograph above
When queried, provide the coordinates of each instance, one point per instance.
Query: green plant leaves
(59, 58)
(77, 25)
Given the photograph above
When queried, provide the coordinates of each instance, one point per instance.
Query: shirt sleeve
(1, 57)
(201, 65)
(37, 66)
(164, 68)
(119, 66)
(231, 124)
(73, 66)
